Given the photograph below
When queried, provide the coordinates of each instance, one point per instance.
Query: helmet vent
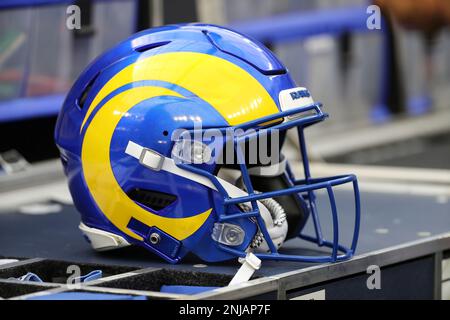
(154, 200)
(149, 46)
(82, 99)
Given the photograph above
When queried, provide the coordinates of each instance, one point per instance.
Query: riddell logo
(300, 94)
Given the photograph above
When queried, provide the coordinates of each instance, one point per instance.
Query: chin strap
(250, 264)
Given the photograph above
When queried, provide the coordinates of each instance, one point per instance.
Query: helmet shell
(143, 90)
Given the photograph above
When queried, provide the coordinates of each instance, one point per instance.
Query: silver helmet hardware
(155, 238)
(228, 234)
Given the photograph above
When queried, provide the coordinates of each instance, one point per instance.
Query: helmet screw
(155, 238)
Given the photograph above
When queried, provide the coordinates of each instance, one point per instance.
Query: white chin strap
(250, 264)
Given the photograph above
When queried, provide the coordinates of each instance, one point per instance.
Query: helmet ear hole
(165, 133)
(154, 200)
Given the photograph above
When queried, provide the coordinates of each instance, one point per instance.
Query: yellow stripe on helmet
(99, 176)
(231, 90)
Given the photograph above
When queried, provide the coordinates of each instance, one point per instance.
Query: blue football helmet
(137, 181)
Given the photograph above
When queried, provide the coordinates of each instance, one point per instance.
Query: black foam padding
(11, 289)
(154, 280)
(296, 213)
(54, 271)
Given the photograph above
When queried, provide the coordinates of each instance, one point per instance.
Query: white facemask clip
(250, 264)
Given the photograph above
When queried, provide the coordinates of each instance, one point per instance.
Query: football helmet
(142, 131)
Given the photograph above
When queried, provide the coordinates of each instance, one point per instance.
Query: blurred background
(382, 73)
(386, 88)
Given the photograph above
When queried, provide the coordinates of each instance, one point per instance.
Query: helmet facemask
(268, 193)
